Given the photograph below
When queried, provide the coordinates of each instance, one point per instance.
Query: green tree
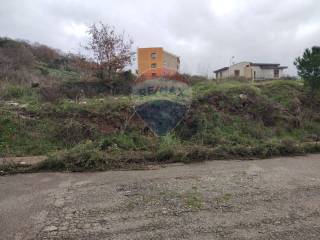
(309, 67)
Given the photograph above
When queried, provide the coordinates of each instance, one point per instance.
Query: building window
(153, 65)
(237, 73)
(153, 74)
(276, 73)
(153, 55)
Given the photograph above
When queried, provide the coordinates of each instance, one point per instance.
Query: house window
(153, 65)
(237, 73)
(276, 73)
(153, 55)
(153, 74)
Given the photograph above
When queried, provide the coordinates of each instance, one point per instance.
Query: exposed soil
(22, 160)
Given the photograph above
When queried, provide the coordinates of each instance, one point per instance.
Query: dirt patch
(22, 160)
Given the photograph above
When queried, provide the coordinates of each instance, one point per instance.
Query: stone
(51, 229)
(243, 97)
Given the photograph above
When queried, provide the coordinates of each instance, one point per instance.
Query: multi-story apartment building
(156, 61)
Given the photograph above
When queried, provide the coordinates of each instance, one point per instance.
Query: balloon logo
(161, 100)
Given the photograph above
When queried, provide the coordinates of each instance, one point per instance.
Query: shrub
(13, 168)
(196, 154)
(10, 92)
(289, 147)
(122, 141)
(50, 94)
(44, 71)
(80, 158)
(168, 141)
(311, 147)
(125, 141)
(165, 155)
(71, 132)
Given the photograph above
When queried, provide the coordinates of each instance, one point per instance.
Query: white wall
(239, 66)
(222, 74)
(266, 73)
(230, 72)
(260, 73)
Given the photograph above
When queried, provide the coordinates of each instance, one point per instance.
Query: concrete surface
(264, 199)
(22, 160)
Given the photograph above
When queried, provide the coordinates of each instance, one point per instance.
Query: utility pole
(230, 64)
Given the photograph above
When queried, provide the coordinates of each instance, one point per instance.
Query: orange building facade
(155, 62)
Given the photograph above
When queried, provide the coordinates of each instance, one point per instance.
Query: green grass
(98, 105)
(285, 93)
(67, 76)
(80, 158)
(19, 93)
(20, 137)
(273, 119)
(193, 200)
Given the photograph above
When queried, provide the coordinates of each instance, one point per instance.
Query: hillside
(52, 104)
(56, 74)
(225, 120)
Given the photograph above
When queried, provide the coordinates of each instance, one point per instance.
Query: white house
(252, 71)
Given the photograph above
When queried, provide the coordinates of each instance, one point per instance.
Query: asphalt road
(263, 199)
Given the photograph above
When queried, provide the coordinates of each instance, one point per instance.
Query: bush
(289, 147)
(167, 146)
(128, 141)
(168, 141)
(311, 147)
(197, 154)
(9, 92)
(24, 137)
(80, 158)
(50, 94)
(72, 132)
(165, 155)
(13, 168)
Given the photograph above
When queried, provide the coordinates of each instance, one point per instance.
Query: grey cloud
(204, 33)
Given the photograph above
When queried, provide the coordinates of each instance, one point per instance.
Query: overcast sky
(204, 33)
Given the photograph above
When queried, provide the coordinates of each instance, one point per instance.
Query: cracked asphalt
(261, 199)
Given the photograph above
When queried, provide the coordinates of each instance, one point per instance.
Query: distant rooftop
(262, 65)
(174, 55)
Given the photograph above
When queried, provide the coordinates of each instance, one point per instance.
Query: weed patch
(230, 120)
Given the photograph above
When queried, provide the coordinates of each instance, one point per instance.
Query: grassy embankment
(225, 121)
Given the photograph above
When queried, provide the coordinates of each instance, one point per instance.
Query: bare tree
(111, 51)
(45, 53)
(14, 57)
(80, 64)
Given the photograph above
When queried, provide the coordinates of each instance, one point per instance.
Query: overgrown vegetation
(225, 121)
(58, 75)
(85, 124)
(309, 68)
